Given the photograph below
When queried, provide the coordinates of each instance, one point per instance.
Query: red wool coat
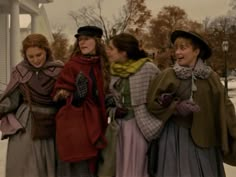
(95, 119)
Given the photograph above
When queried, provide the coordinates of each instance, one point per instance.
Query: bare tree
(134, 14)
(60, 44)
(233, 4)
(222, 25)
(205, 23)
(219, 29)
(232, 9)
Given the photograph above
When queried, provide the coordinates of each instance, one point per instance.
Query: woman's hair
(36, 40)
(100, 51)
(196, 45)
(100, 48)
(128, 43)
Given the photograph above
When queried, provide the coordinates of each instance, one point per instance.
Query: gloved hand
(110, 101)
(165, 99)
(186, 107)
(81, 91)
(121, 112)
(81, 84)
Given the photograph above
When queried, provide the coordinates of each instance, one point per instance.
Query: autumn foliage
(154, 31)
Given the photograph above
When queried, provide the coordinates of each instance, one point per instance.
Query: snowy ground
(230, 171)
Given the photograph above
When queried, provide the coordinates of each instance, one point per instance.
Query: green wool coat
(214, 125)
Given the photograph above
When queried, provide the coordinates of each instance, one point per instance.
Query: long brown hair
(36, 40)
(100, 51)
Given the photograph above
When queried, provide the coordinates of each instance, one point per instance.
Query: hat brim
(207, 52)
(76, 35)
(87, 34)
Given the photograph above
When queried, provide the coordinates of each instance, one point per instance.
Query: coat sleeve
(165, 82)
(230, 157)
(10, 103)
(226, 112)
(139, 83)
(66, 79)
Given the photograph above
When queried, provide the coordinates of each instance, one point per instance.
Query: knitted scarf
(129, 67)
(200, 71)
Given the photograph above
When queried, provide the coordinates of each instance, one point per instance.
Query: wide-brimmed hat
(92, 31)
(205, 50)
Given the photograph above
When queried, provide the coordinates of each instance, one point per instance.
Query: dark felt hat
(205, 50)
(92, 31)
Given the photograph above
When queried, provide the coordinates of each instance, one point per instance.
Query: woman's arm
(162, 84)
(11, 103)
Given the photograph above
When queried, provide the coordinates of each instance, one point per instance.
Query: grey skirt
(178, 156)
(78, 169)
(27, 157)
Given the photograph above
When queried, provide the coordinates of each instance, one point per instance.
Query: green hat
(205, 50)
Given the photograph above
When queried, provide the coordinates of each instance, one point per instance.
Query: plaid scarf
(201, 71)
(129, 67)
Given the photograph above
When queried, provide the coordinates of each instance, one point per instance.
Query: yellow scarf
(129, 67)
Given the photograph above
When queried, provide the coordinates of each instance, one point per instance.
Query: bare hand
(61, 94)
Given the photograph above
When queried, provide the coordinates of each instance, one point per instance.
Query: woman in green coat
(199, 131)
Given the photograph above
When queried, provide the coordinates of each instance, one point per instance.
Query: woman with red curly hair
(27, 111)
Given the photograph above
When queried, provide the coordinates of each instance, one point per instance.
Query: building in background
(11, 33)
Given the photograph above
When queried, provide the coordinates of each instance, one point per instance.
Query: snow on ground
(231, 88)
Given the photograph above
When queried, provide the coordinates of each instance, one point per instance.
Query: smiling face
(36, 56)
(185, 52)
(87, 45)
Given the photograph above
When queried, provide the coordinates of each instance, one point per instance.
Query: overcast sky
(196, 9)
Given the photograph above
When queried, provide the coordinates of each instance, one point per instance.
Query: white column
(34, 23)
(15, 43)
(4, 50)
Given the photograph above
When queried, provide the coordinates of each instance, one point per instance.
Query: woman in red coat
(82, 84)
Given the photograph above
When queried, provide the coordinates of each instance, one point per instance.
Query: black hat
(205, 50)
(93, 31)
